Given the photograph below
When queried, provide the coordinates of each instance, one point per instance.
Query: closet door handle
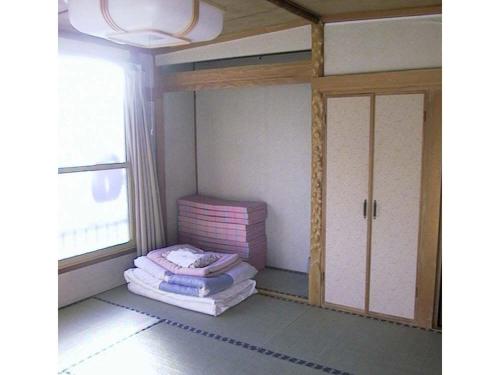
(375, 209)
(364, 209)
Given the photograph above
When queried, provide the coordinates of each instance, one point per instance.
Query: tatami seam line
(74, 303)
(66, 370)
(127, 307)
(351, 313)
(229, 340)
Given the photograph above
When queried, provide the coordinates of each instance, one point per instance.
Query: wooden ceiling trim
(238, 76)
(236, 35)
(415, 79)
(380, 14)
(297, 9)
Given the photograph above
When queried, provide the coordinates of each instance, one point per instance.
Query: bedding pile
(236, 227)
(176, 276)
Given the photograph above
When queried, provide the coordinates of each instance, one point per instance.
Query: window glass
(91, 127)
(93, 211)
(93, 189)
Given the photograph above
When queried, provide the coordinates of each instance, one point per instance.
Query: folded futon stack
(234, 227)
(188, 277)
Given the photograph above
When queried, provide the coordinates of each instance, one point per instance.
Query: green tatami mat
(89, 326)
(260, 335)
(255, 320)
(360, 345)
(283, 281)
(166, 350)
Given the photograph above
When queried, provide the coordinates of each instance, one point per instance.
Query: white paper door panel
(396, 190)
(348, 141)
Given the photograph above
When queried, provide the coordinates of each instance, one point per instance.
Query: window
(93, 170)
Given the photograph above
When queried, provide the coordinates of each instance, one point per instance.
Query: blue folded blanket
(195, 285)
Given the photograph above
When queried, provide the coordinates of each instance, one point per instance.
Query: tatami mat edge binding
(66, 370)
(304, 298)
(231, 341)
(283, 298)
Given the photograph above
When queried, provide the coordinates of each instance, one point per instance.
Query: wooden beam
(379, 14)
(417, 79)
(317, 171)
(233, 36)
(297, 9)
(238, 76)
(428, 255)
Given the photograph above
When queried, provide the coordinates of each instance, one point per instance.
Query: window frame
(110, 252)
(106, 253)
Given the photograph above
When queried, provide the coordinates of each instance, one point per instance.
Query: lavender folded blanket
(195, 285)
(224, 262)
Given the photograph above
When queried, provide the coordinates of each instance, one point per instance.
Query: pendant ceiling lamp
(147, 23)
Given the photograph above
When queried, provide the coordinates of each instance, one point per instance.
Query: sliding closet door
(347, 172)
(396, 202)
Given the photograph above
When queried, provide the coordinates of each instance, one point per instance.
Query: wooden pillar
(317, 170)
(428, 258)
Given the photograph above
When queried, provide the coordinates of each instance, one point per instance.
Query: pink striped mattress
(208, 227)
(210, 203)
(258, 258)
(225, 262)
(213, 216)
(212, 244)
(211, 224)
(222, 240)
(219, 233)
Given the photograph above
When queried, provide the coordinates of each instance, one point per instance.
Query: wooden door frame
(397, 82)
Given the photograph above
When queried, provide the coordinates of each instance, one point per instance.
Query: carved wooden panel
(318, 139)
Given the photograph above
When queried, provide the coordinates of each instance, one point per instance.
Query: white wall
(180, 162)
(382, 45)
(87, 281)
(255, 144)
(296, 39)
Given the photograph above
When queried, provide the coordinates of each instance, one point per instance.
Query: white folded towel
(187, 258)
(151, 267)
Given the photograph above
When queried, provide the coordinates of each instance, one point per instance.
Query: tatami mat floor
(284, 281)
(117, 332)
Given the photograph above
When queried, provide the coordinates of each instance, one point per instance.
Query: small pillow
(188, 258)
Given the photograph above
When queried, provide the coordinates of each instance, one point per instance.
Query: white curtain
(149, 229)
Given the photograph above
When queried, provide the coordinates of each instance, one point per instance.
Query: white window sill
(87, 259)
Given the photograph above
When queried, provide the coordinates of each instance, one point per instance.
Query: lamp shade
(147, 23)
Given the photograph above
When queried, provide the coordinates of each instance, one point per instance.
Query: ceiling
(332, 7)
(245, 17)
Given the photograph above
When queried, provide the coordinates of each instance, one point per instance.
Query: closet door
(347, 172)
(396, 203)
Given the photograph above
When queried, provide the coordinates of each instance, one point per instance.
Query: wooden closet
(373, 187)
